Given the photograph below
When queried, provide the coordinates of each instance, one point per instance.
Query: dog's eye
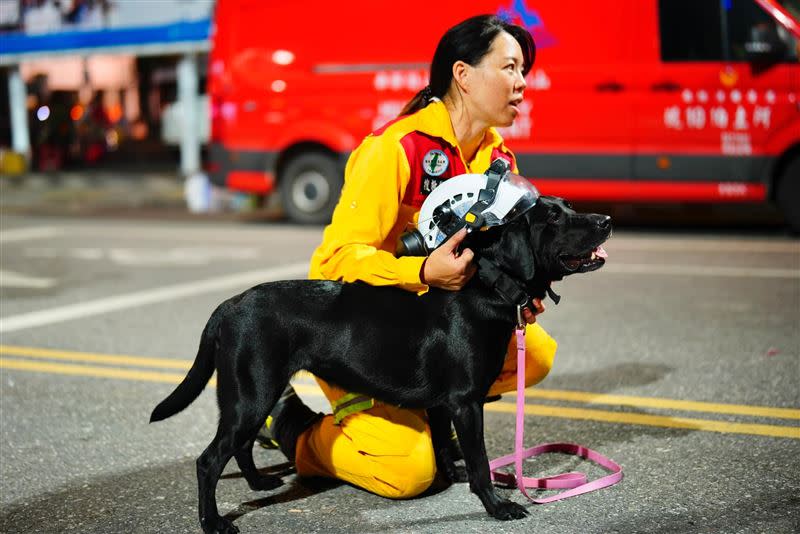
(553, 217)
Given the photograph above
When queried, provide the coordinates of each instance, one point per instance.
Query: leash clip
(520, 316)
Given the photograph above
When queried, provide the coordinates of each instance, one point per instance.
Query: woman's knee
(541, 351)
(412, 474)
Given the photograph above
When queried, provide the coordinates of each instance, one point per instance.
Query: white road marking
(180, 256)
(693, 244)
(206, 233)
(149, 256)
(698, 270)
(12, 279)
(25, 234)
(90, 254)
(150, 296)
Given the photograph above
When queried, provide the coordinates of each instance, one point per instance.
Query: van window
(691, 30)
(792, 6)
(748, 24)
(721, 30)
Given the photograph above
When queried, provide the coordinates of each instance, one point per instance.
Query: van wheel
(788, 194)
(309, 186)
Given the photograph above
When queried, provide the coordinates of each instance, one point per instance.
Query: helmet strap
(473, 219)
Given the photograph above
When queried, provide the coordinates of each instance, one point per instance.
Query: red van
(629, 101)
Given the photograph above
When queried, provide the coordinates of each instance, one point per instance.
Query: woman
(477, 81)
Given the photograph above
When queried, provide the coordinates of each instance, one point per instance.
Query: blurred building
(87, 83)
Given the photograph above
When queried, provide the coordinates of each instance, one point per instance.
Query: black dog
(443, 354)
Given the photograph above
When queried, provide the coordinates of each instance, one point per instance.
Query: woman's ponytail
(419, 101)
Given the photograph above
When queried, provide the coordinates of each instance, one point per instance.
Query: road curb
(117, 194)
(71, 192)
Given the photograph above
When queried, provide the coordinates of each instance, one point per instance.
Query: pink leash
(575, 483)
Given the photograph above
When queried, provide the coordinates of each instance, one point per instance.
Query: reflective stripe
(353, 68)
(349, 404)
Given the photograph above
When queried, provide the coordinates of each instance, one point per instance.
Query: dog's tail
(197, 377)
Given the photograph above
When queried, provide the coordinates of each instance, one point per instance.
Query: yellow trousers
(388, 450)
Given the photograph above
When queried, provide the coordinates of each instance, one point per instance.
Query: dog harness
(508, 287)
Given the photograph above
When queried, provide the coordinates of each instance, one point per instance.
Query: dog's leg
(209, 468)
(240, 418)
(468, 420)
(256, 481)
(439, 421)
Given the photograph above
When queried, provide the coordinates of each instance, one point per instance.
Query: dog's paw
(221, 526)
(445, 463)
(507, 510)
(265, 483)
(456, 474)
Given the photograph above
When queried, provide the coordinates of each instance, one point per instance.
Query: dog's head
(547, 243)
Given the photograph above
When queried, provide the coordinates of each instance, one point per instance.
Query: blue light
(43, 113)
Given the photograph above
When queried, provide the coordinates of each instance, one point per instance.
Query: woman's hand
(446, 267)
(528, 315)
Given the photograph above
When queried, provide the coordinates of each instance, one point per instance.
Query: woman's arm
(353, 246)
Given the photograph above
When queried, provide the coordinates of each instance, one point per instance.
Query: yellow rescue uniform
(382, 448)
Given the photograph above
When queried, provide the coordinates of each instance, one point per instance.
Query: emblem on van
(518, 12)
(435, 163)
(728, 76)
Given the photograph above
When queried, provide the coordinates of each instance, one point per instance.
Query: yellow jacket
(386, 180)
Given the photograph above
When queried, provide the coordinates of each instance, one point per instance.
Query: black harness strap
(509, 289)
(552, 294)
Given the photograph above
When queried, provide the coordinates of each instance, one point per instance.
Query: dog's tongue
(600, 252)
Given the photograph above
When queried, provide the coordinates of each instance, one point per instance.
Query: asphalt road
(679, 360)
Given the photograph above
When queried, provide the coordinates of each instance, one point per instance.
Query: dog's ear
(514, 252)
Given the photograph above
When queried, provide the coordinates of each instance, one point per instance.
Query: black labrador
(440, 351)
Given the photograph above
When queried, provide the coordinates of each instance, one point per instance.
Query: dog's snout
(603, 221)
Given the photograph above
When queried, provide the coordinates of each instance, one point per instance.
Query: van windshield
(750, 26)
(792, 6)
(725, 30)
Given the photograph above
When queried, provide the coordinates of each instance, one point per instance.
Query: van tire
(788, 194)
(310, 185)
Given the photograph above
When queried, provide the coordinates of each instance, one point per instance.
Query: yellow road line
(31, 352)
(662, 404)
(91, 371)
(539, 393)
(535, 409)
(650, 420)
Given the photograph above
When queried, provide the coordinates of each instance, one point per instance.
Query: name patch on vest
(429, 183)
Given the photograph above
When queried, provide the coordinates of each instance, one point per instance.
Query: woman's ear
(461, 75)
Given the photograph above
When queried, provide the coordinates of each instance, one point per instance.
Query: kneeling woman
(477, 81)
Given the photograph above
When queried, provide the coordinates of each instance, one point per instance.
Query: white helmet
(472, 200)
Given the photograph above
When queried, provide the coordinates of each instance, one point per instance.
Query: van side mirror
(765, 44)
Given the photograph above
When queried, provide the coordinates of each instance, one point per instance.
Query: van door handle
(666, 87)
(610, 87)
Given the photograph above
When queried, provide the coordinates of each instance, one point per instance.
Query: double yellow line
(143, 369)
